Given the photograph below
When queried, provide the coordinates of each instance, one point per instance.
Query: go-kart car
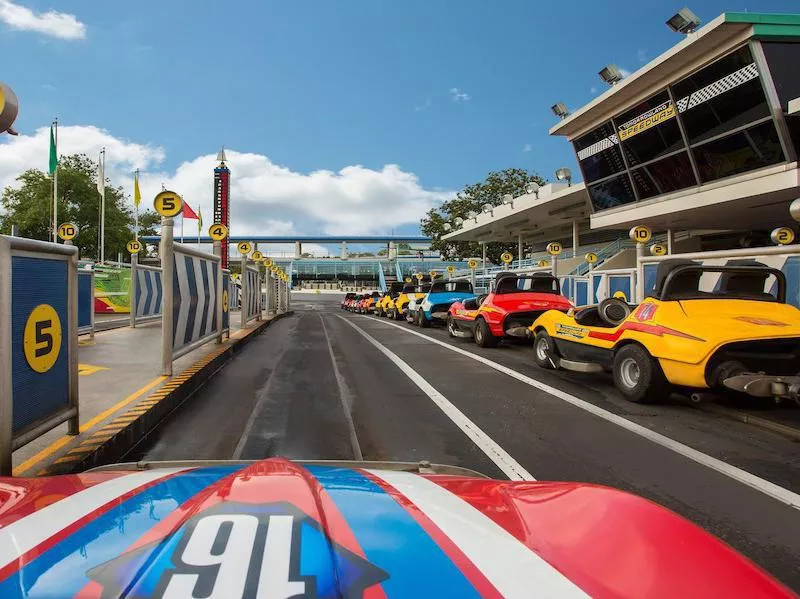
(368, 305)
(276, 528)
(434, 305)
(410, 292)
(382, 305)
(702, 327)
(509, 310)
(348, 297)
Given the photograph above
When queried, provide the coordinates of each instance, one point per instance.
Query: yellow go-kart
(383, 304)
(397, 309)
(703, 327)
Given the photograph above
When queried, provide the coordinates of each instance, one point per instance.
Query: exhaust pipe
(701, 397)
(521, 332)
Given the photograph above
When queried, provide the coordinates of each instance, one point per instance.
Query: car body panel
(496, 309)
(405, 297)
(438, 301)
(338, 531)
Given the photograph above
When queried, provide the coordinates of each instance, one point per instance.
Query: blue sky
(324, 84)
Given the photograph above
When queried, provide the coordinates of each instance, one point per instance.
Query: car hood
(530, 301)
(341, 531)
(742, 319)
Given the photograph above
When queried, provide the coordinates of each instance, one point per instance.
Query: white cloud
(266, 198)
(52, 23)
(458, 96)
(625, 72)
(424, 106)
(527, 148)
(593, 89)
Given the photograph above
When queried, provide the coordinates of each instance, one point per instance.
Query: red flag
(188, 212)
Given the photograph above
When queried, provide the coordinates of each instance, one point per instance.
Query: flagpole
(183, 218)
(55, 188)
(136, 205)
(101, 187)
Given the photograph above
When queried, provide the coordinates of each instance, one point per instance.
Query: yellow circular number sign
(640, 234)
(554, 248)
(267, 262)
(408, 279)
(134, 246)
(225, 300)
(257, 256)
(168, 203)
(244, 248)
(591, 257)
(658, 249)
(782, 236)
(451, 269)
(218, 232)
(473, 264)
(67, 231)
(273, 268)
(419, 276)
(507, 257)
(433, 274)
(542, 263)
(42, 338)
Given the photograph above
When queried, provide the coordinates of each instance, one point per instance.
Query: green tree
(29, 207)
(471, 199)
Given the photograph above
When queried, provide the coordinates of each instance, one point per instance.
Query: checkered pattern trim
(599, 146)
(727, 83)
(721, 86)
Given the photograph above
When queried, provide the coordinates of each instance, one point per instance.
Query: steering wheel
(612, 311)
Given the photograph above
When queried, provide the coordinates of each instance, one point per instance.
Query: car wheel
(638, 376)
(483, 336)
(451, 326)
(422, 322)
(544, 351)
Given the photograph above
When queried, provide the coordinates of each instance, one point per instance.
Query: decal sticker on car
(570, 331)
(761, 321)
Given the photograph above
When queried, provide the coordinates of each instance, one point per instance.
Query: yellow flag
(137, 195)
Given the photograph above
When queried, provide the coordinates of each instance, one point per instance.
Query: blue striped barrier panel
(252, 288)
(38, 341)
(147, 292)
(194, 314)
(86, 302)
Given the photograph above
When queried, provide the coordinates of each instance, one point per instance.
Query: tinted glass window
(649, 130)
(723, 96)
(460, 286)
(783, 59)
(599, 153)
(668, 174)
(612, 192)
(750, 149)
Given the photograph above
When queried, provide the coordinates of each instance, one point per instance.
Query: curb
(110, 443)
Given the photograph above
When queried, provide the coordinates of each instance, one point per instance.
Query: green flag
(53, 152)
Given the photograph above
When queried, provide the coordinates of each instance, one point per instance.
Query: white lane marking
(510, 467)
(499, 556)
(751, 480)
(345, 396)
(21, 536)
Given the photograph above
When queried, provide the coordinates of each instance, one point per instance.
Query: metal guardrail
(38, 341)
(147, 292)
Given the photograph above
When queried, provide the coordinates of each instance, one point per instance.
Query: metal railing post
(6, 387)
(167, 253)
(267, 285)
(639, 273)
(258, 292)
(243, 303)
(73, 424)
(132, 301)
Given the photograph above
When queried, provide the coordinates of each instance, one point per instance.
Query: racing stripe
(417, 566)
(510, 566)
(123, 510)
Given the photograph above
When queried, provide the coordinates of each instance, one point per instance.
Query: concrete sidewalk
(118, 370)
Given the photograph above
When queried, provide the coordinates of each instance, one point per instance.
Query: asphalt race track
(327, 384)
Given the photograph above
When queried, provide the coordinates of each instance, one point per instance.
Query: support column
(218, 307)
(244, 303)
(483, 246)
(519, 249)
(670, 240)
(575, 238)
(298, 250)
(167, 274)
(132, 300)
(344, 250)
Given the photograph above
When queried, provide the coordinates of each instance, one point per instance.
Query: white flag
(101, 174)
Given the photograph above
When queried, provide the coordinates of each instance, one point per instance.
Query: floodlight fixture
(684, 21)
(611, 74)
(447, 228)
(560, 110)
(532, 187)
(473, 215)
(458, 221)
(564, 174)
(488, 209)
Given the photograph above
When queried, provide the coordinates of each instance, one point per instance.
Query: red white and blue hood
(279, 529)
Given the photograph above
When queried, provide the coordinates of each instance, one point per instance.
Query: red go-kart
(508, 311)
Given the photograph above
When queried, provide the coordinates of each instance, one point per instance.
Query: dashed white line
(751, 480)
(510, 467)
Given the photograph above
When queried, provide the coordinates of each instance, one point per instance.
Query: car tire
(422, 322)
(483, 336)
(638, 376)
(544, 351)
(451, 326)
